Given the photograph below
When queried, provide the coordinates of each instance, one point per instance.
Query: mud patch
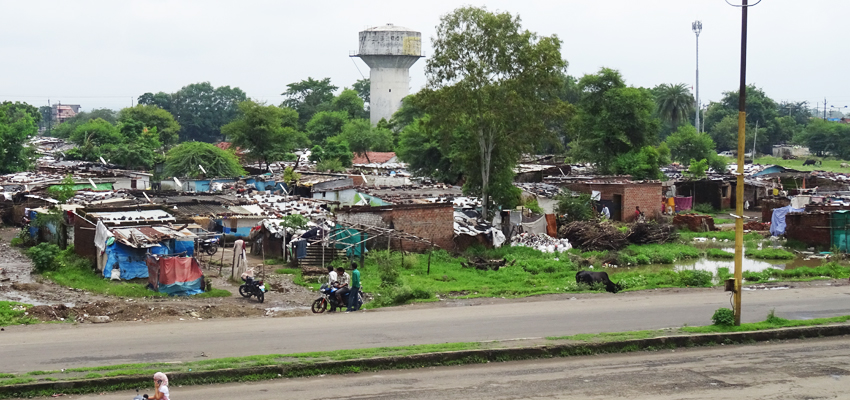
(127, 311)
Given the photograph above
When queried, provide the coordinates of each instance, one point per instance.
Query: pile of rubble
(757, 226)
(540, 189)
(594, 236)
(694, 222)
(540, 241)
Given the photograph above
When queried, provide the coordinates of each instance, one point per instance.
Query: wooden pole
(429, 257)
(223, 247)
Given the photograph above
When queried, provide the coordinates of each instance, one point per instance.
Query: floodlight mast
(696, 26)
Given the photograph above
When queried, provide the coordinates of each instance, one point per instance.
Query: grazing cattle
(811, 162)
(844, 165)
(589, 278)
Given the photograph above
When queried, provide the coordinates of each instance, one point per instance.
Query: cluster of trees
(18, 123)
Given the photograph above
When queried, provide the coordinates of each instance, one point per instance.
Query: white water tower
(389, 51)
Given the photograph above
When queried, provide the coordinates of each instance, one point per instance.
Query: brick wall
(647, 196)
(428, 221)
(812, 229)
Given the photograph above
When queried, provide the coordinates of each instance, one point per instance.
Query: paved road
(808, 369)
(55, 346)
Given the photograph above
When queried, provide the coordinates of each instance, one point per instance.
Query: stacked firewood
(646, 233)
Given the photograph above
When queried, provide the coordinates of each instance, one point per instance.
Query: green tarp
(349, 239)
(82, 186)
(840, 231)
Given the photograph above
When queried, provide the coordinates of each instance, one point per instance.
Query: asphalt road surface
(56, 346)
(800, 369)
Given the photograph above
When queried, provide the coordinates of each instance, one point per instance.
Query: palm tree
(675, 103)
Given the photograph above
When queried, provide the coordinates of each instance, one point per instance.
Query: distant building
(64, 112)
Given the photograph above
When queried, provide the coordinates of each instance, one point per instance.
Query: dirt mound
(131, 311)
(694, 222)
(756, 226)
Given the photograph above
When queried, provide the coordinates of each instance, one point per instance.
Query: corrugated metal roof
(130, 217)
(150, 236)
(202, 209)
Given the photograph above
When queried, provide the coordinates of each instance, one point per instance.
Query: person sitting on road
(160, 386)
(342, 284)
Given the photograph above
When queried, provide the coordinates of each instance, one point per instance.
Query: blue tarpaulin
(777, 221)
(129, 260)
(184, 245)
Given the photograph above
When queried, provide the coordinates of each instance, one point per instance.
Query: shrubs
(723, 317)
(704, 208)
(44, 257)
(770, 254)
(697, 278)
(717, 253)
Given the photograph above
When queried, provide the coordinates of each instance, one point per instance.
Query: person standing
(355, 289)
(606, 212)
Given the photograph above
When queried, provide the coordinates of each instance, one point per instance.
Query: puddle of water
(21, 297)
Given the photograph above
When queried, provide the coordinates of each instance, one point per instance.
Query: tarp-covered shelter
(176, 276)
(777, 223)
(129, 247)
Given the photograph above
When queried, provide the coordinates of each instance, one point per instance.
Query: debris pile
(757, 226)
(694, 222)
(540, 241)
(593, 236)
(645, 233)
(486, 265)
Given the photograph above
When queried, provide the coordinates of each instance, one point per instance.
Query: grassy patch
(770, 254)
(610, 336)
(717, 253)
(12, 313)
(830, 270)
(667, 253)
(771, 322)
(688, 236)
(828, 164)
(724, 221)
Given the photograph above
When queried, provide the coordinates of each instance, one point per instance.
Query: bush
(696, 278)
(723, 317)
(44, 257)
(704, 208)
(574, 208)
(717, 253)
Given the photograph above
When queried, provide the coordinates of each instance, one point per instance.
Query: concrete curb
(420, 360)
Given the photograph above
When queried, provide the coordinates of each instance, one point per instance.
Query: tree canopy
(674, 103)
(491, 84)
(199, 108)
(153, 117)
(307, 96)
(17, 125)
(183, 160)
(263, 131)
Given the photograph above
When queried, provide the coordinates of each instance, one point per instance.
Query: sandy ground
(798, 369)
(58, 303)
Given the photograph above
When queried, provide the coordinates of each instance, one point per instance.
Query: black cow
(811, 162)
(590, 277)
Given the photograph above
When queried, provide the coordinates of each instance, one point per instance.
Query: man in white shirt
(606, 213)
(332, 278)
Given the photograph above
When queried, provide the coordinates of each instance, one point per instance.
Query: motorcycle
(210, 245)
(328, 299)
(252, 287)
(140, 397)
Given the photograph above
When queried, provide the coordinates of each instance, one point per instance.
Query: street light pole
(696, 26)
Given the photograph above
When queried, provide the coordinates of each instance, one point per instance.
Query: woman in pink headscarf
(161, 386)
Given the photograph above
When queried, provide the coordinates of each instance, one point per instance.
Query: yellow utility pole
(739, 189)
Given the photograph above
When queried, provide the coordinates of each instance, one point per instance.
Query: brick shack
(428, 221)
(620, 194)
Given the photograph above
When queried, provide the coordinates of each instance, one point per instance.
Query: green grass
(769, 254)
(718, 221)
(13, 313)
(771, 322)
(717, 253)
(688, 236)
(830, 270)
(667, 253)
(829, 164)
(609, 336)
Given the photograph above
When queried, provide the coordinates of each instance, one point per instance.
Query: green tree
(612, 119)
(201, 110)
(686, 144)
(90, 136)
(260, 130)
(326, 124)
(362, 137)
(424, 152)
(725, 133)
(183, 160)
(162, 100)
(65, 129)
(826, 137)
(759, 108)
(334, 149)
(493, 83)
(363, 89)
(64, 191)
(349, 102)
(674, 103)
(307, 96)
(13, 109)
(696, 169)
(643, 163)
(17, 126)
(153, 117)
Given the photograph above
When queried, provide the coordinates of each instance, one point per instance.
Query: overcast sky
(103, 53)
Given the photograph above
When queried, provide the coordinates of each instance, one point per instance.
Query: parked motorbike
(252, 287)
(328, 300)
(139, 396)
(210, 245)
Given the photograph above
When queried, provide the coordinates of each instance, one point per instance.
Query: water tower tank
(389, 51)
